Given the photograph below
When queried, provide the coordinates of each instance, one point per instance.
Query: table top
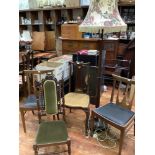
(37, 55)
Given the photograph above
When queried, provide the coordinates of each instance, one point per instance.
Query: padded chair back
(50, 97)
(48, 103)
(123, 91)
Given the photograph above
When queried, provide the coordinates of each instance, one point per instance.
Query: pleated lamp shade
(103, 16)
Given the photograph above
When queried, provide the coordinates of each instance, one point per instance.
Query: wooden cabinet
(70, 46)
(111, 47)
(88, 44)
(70, 31)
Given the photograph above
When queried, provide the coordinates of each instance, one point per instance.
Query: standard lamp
(103, 17)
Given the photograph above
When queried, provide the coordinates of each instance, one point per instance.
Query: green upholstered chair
(79, 98)
(29, 78)
(51, 132)
(118, 112)
(45, 105)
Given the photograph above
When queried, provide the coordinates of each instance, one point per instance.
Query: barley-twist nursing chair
(52, 132)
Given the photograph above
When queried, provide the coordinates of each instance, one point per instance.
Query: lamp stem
(102, 34)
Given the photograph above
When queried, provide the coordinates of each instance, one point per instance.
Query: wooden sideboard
(111, 47)
(70, 46)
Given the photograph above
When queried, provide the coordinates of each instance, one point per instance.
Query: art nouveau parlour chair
(29, 79)
(52, 132)
(78, 97)
(117, 112)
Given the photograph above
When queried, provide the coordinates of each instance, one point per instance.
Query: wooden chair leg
(35, 148)
(63, 110)
(134, 127)
(58, 116)
(92, 124)
(23, 119)
(53, 117)
(64, 114)
(69, 147)
(86, 121)
(32, 112)
(39, 118)
(121, 141)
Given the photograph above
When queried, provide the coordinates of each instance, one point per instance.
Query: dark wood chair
(118, 112)
(60, 97)
(26, 60)
(29, 78)
(120, 67)
(25, 63)
(129, 54)
(51, 132)
(79, 97)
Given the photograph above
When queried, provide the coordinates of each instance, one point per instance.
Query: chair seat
(115, 113)
(31, 102)
(77, 100)
(52, 132)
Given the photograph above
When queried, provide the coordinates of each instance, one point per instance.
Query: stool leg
(23, 119)
(121, 141)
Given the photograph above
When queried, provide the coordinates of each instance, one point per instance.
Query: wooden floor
(80, 144)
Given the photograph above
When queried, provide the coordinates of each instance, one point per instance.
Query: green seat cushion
(52, 132)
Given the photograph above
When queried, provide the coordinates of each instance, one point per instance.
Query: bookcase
(127, 12)
(51, 19)
(48, 19)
